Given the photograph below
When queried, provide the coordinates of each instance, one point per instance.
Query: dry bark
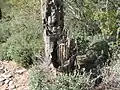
(53, 23)
(0, 14)
(57, 50)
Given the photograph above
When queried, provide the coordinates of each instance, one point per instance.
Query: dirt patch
(13, 76)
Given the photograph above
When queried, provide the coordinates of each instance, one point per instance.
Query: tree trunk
(0, 14)
(53, 23)
(57, 48)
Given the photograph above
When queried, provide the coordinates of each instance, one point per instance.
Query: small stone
(6, 89)
(12, 87)
(2, 83)
(1, 71)
(2, 67)
(20, 71)
(2, 79)
(7, 81)
(5, 70)
(10, 79)
(11, 83)
(6, 75)
(9, 76)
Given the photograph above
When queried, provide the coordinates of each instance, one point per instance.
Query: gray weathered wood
(0, 13)
(57, 48)
(53, 23)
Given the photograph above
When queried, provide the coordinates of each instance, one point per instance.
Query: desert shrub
(111, 77)
(4, 35)
(3, 52)
(40, 80)
(111, 74)
(71, 82)
(86, 19)
(20, 31)
(22, 47)
(94, 25)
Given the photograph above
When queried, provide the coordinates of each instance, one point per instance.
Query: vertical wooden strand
(0, 13)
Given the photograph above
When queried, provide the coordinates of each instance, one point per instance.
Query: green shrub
(20, 31)
(111, 77)
(37, 79)
(3, 52)
(4, 35)
(87, 18)
(40, 80)
(22, 47)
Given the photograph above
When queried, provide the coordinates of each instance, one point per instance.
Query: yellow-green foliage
(20, 31)
(40, 80)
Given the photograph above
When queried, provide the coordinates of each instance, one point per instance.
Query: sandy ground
(19, 76)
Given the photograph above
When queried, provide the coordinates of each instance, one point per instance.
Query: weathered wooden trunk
(53, 23)
(67, 52)
(0, 13)
(56, 51)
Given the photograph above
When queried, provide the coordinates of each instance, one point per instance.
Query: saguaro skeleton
(0, 13)
(54, 35)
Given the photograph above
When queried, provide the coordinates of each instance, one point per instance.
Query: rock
(7, 75)
(7, 82)
(5, 70)
(10, 79)
(21, 71)
(12, 76)
(2, 79)
(11, 83)
(1, 67)
(2, 71)
(6, 89)
(2, 83)
(12, 87)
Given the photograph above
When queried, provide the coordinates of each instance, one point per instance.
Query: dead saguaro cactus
(53, 24)
(0, 14)
(67, 55)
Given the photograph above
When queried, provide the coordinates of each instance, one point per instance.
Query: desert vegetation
(94, 25)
